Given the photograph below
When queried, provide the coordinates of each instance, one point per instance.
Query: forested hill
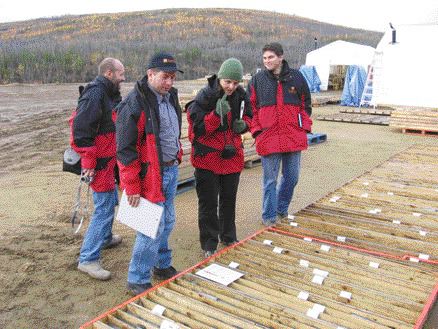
(68, 48)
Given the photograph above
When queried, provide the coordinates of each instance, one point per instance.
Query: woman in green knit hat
(217, 117)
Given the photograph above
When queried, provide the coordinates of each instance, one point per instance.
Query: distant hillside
(68, 48)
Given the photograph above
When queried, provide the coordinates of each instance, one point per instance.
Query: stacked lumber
(415, 120)
(334, 264)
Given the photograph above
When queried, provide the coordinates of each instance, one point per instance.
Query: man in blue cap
(148, 130)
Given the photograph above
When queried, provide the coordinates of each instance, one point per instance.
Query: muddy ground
(40, 286)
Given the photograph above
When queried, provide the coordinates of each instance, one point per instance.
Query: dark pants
(213, 189)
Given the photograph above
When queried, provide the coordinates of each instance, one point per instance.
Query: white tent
(407, 70)
(338, 53)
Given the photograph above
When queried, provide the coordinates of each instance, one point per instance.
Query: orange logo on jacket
(292, 90)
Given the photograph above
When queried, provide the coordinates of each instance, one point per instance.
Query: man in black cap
(148, 129)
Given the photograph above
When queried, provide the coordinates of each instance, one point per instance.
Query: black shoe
(165, 273)
(136, 289)
(227, 244)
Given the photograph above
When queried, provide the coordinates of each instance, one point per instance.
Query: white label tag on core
(325, 247)
(345, 294)
(166, 324)
(304, 263)
(319, 308)
(158, 310)
(341, 238)
(303, 295)
(314, 314)
(317, 271)
(267, 242)
(318, 279)
(233, 265)
(374, 265)
(278, 250)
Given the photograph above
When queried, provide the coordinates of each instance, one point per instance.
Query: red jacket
(281, 111)
(93, 132)
(139, 154)
(208, 136)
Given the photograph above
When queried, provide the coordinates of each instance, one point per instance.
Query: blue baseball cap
(163, 62)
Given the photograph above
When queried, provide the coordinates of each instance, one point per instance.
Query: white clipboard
(145, 218)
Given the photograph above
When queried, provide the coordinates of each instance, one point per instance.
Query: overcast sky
(366, 14)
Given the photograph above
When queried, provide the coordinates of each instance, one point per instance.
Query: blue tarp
(353, 87)
(311, 77)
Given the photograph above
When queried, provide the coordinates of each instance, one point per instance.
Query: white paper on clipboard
(145, 218)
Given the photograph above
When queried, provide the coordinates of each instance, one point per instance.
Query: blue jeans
(276, 200)
(100, 228)
(148, 253)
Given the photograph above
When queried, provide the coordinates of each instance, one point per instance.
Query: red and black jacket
(209, 136)
(281, 111)
(93, 131)
(139, 155)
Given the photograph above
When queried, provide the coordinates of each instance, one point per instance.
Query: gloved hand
(239, 126)
(222, 106)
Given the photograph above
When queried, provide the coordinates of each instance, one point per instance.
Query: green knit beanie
(231, 69)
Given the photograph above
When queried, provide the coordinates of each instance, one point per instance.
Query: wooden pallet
(419, 131)
(367, 110)
(356, 118)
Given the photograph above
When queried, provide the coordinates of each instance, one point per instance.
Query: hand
(222, 106)
(88, 172)
(239, 126)
(134, 200)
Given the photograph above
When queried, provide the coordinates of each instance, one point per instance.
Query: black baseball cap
(163, 62)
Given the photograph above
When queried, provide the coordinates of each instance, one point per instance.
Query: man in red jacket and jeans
(148, 153)
(93, 137)
(281, 105)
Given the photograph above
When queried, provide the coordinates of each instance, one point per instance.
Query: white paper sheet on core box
(219, 274)
(145, 218)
